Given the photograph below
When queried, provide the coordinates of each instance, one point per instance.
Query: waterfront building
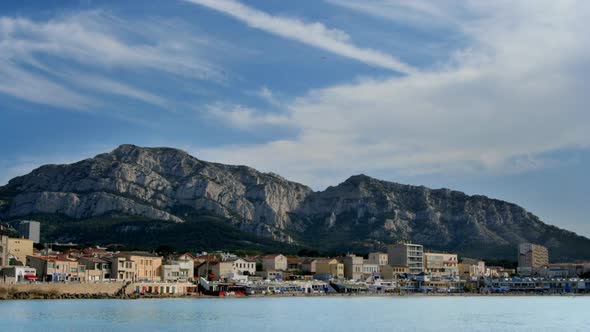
(389, 272)
(186, 266)
(294, 263)
(271, 274)
(20, 249)
(309, 265)
(11, 274)
(329, 268)
(241, 266)
(54, 269)
(147, 265)
(441, 264)
(30, 229)
(370, 269)
(471, 268)
(122, 267)
(531, 257)
(353, 266)
(274, 262)
(379, 258)
(408, 255)
(97, 269)
(563, 270)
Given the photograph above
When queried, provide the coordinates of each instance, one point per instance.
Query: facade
(392, 272)
(186, 267)
(353, 266)
(20, 249)
(408, 255)
(270, 275)
(30, 230)
(329, 269)
(122, 268)
(4, 250)
(220, 270)
(379, 258)
(309, 265)
(242, 266)
(371, 269)
(97, 269)
(147, 265)
(17, 274)
(441, 264)
(532, 256)
(274, 262)
(53, 269)
(293, 263)
(471, 268)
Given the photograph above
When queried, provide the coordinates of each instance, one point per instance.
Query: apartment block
(441, 264)
(30, 230)
(20, 249)
(532, 255)
(408, 255)
(379, 258)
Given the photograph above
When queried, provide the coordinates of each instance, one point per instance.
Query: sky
(485, 97)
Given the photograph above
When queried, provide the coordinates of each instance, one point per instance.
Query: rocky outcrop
(360, 214)
(151, 182)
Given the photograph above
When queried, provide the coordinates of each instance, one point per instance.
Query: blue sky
(484, 97)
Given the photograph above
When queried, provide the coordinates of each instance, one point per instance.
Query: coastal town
(404, 268)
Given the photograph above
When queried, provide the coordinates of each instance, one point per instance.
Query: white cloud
(244, 118)
(39, 59)
(518, 91)
(313, 34)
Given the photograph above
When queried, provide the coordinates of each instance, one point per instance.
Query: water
(301, 314)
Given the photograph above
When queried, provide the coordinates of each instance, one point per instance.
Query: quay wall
(44, 290)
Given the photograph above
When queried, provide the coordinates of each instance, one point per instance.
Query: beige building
(20, 249)
(329, 268)
(97, 269)
(379, 258)
(353, 266)
(274, 262)
(122, 268)
(392, 272)
(406, 254)
(147, 265)
(53, 269)
(309, 265)
(441, 264)
(471, 268)
(532, 255)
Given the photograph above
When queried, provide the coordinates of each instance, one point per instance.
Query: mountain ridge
(362, 213)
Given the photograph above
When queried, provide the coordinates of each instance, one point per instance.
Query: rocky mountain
(155, 192)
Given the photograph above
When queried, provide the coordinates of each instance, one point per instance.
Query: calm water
(301, 314)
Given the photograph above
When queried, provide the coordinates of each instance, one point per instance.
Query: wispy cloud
(314, 34)
(39, 59)
(244, 118)
(517, 91)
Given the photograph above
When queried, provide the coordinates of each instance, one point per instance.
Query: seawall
(58, 290)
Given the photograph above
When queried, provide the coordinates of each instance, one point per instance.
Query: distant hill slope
(146, 189)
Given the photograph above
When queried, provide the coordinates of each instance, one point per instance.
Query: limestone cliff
(360, 214)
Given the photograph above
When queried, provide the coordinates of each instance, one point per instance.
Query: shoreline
(53, 296)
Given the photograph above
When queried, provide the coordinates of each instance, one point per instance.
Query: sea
(280, 314)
